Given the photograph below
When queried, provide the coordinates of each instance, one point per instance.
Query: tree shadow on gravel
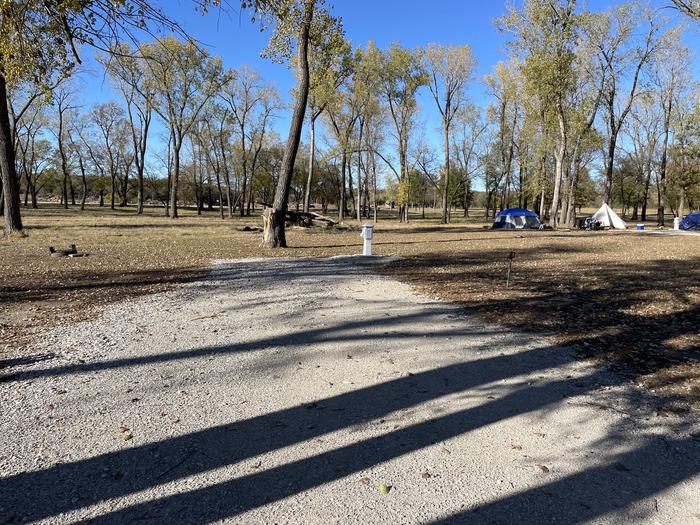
(50, 492)
(628, 478)
(641, 317)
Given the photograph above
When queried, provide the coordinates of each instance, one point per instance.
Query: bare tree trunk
(227, 175)
(221, 195)
(661, 220)
(113, 189)
(645, 201)
(341, 206)
(612, 142)
(62, 153)
(273, 218)
(125, 187)
(10, 184)
(174, 181)
(446, 187)
(558, 170)
(541, 209)
(359, 174)
(84, 180)
(312, 152)
(570, 217)
(72, 190)
(244, 188)
(374, 188)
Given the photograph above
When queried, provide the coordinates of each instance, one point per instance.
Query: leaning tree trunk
(10, 184)
(273, 218)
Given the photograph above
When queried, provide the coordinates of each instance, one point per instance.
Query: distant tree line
(588, 105)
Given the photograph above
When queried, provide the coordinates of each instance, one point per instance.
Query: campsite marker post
(511, 256)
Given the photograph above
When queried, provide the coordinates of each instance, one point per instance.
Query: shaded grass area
(630, 299)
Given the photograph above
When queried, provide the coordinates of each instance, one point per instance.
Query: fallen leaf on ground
(515, 446)
(384, 488)
(425, 475)
(543, 468)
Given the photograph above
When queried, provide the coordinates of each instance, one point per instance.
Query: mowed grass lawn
(631, 299)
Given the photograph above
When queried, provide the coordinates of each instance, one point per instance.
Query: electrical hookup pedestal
(367, 234)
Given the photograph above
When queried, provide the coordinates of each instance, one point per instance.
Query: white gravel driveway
(315, 391)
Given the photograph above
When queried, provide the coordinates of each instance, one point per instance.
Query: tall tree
(37, 38)
(109, 119)
(448, 71)
(251, 103)
(293, 21)
(670, 76)
(342, 114)
(128, 72)
(183, 78)
(546, 32)
(401, 75)
(63, 108)
(623, 58)
(506, 111)
(330, 63)
(469, 136)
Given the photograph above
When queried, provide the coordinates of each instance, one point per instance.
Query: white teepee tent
(607, 217)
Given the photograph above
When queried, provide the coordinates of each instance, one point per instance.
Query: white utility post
(367, 233)
(676, 223)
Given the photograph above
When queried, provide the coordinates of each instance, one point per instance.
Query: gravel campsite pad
(317, 391)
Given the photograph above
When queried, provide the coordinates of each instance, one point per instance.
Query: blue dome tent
(516, 219)
(691, 221)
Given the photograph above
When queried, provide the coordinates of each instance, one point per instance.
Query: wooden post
(511, 256)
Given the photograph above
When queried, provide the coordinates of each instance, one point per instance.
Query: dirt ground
(632, 299)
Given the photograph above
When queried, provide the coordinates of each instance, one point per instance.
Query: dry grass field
(631, 299)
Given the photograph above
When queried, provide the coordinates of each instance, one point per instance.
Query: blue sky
(412, 22)
(239, 42)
